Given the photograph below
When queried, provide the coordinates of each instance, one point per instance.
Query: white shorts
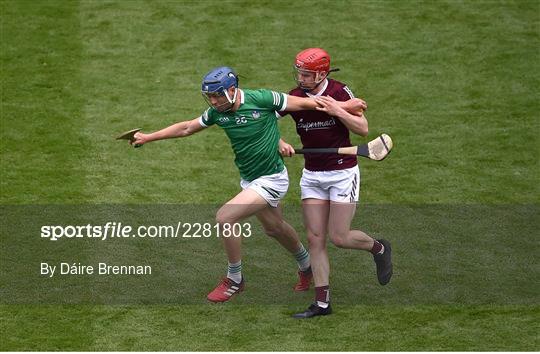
(342, 186)
(272, 187)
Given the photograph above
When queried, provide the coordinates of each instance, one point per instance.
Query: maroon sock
(322, 293)
(377, 247)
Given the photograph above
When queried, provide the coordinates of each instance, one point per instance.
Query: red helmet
(313, 59)
(311, 68)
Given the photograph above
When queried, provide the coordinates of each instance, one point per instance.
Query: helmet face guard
(308, 80)
(216, 84)
(225, 106)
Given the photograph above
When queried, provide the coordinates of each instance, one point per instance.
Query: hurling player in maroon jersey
(330, 184)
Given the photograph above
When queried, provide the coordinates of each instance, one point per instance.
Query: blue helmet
(219, 79)
(217, 82)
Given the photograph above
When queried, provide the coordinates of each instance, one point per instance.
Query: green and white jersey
(253, 131)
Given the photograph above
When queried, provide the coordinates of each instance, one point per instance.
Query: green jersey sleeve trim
(280, 100)
(206, 119)
(201, 122)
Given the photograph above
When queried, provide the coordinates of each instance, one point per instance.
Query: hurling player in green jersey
(250, 122)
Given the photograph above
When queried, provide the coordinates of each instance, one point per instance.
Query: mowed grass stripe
(41, 141)
(266, 328)
(142, 69)
(350, 328)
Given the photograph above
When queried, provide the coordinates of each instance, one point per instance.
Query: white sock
(234, 271)
(302, 258)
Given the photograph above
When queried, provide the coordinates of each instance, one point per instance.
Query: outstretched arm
(355, 122)
(178, 130)
(294, 103)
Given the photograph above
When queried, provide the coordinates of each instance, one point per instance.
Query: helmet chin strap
(306, 90)
(233, 100)
(230, 100)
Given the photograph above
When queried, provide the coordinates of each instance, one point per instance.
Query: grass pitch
(454, 83)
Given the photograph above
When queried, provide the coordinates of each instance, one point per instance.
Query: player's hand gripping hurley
(129, 135)
(377, 149)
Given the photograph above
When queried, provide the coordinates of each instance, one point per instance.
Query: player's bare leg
(339, 217)
(316, 213)
(316, 222)
(339, 228)
(276, 227)
(243, 205)
(341, 235)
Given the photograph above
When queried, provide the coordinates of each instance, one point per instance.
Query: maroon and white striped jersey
(319, 130)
